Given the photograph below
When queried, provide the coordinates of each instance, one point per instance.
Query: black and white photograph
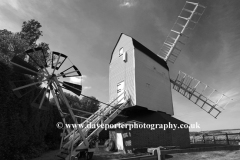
(119, 80)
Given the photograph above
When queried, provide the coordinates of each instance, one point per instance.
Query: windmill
(77, 141)
(42, 78)
(144, 75)
(207, 98)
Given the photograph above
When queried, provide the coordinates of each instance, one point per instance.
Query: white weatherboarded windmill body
(140, 72)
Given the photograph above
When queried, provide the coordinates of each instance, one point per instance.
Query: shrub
(25, 131)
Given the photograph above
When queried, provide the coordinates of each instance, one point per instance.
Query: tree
(89, 104)
(21, 122)
(31, 31)
(12, 44)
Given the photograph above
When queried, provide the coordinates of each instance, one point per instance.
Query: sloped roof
(145, 50)
(155, 118)
(148, 117)
(171, 119)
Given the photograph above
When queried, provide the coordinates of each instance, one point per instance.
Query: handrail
(104, 110)
(104, 107)
(77, 137)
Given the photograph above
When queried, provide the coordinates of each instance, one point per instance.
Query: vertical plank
(227, 139)
(203, 138)
(214, 141)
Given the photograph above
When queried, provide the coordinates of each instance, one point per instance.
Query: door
(120, 92)
(119, 141)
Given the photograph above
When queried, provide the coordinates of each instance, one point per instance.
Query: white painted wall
(145, 80)
(122, 71)
(120, 92)
(119, 142)
(153, 88)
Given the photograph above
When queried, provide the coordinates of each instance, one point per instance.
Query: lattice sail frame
(176, 39)
(207, 98)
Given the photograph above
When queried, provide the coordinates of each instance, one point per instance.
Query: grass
(210, 155)
(220, 136)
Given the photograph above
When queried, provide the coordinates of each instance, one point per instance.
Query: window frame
(120, 54)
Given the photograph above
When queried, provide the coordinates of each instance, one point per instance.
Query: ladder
(188, 18)
(73, 143)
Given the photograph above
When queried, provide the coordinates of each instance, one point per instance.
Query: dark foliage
(89, 104)
(31, 31)
(25, 131)
(12, 44)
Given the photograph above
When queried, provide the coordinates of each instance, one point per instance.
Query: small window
(121, 51)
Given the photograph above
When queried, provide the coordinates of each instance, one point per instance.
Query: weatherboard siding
(153, 89)
(122, 71)
(145, 75)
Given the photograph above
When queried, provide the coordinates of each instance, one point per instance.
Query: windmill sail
(207, 98)
(75, 88)
(23, 67)
(176, 39)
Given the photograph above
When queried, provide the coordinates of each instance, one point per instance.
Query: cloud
(232, 101)
(232, 93)
(84, 76)
(13, 3)
(128, 3)
(87, 87)
(75, 80)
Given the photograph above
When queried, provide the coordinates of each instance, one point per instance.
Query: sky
(87, 31)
